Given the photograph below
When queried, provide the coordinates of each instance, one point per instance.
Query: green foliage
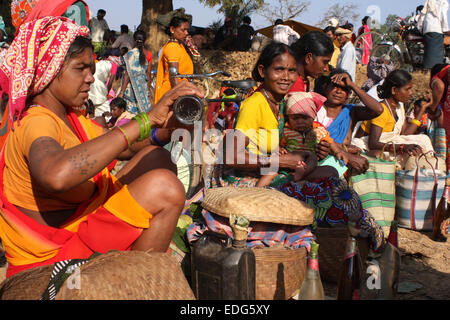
(228, 4)
(234, 9)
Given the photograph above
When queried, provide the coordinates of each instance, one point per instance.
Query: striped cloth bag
(376, 189)
(418, 192)
(438, 139)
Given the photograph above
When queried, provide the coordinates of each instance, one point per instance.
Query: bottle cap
(314, 251)
(239, 224)
(394, 224)
(314, 247)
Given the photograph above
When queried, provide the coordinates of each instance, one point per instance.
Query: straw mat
(258, 204)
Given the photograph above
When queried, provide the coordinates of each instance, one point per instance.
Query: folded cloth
(260, 233)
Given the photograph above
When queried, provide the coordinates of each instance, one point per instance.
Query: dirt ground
(424, 262)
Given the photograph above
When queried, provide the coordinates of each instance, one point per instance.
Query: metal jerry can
(222, 269)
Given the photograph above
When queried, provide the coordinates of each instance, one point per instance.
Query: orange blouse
(18, 186)
(171, 52)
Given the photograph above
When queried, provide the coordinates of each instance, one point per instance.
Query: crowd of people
(69, 127)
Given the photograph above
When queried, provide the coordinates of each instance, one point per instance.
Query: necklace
(390, 110)
(277, 104)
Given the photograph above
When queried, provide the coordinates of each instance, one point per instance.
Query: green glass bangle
(147, 124)
(141, 127)
(145, 128)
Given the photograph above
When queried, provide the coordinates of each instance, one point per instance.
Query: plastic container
(222, 269)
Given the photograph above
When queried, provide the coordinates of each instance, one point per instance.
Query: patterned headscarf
(35, 58)
(307, 103)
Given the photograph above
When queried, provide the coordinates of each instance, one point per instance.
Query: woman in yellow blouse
(260, 121)
(392, 125)
(173, 55)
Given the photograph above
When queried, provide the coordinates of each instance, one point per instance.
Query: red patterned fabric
(304, 103)
(23, 11)
(35, 58)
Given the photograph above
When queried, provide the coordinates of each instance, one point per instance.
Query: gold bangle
(416, 122)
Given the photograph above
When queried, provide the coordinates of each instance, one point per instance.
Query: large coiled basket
(116, 275)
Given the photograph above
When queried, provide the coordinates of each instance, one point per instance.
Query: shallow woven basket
(279, 272)
(258, 204)
(129, 275)
(332, 250)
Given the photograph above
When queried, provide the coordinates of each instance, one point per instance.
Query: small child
(302, 135)
(119, 113)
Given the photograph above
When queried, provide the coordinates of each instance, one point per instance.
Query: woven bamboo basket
(26, 285)
(332, 250)
(279, 272)
(129, 275)
(258, 204)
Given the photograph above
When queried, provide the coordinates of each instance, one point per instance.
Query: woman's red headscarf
(35, 58)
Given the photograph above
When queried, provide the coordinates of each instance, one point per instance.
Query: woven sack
(332, 251)
(116, 275)
(279, 272)
(418, 192)
(376, 189)
(26, 285)
(258, 204)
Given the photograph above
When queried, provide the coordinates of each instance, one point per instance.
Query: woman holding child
(259, 127)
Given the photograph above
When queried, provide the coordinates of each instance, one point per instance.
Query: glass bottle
(349, 281)
(390, 266)
(312, 288)
(442, 212)
(393, 234)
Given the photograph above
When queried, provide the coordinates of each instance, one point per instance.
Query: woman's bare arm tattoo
(44, 146)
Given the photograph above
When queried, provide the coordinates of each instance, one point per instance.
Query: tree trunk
(156, 37)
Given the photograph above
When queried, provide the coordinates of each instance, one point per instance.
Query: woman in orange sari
(173, 55)
(58, 199)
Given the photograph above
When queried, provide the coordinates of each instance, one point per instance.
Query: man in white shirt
(284, 34)
(347, 57)
(433, 23)
(98, 27)
(124, 40)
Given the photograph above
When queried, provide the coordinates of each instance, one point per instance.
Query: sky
(130, 14)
